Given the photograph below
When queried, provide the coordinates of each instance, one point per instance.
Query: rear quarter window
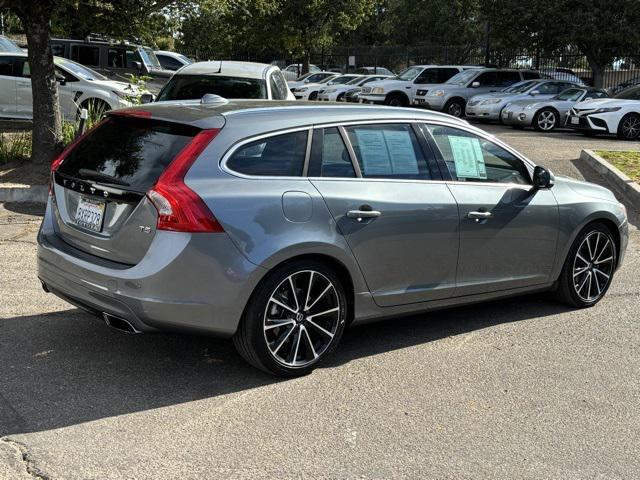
(276, 156)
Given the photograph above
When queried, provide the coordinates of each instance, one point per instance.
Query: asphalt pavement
(520, 388)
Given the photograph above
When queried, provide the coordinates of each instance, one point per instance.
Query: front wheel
(294, 320)
(588, 269)
(545, 120)
(629, 128)
(455, 108)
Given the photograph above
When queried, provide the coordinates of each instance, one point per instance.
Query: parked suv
(452, 96)
(399, 90)
(78, 87)
(115, 60)
(281, 224)
(227, 79)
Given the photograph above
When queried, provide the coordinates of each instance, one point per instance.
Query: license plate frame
(574, 121)
(90, 214)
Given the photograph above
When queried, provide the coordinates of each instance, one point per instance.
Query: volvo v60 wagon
(280, 224)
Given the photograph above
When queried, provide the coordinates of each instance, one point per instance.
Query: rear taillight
(179, 208)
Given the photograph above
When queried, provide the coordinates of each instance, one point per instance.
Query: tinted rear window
(193, 87)
(132, 151)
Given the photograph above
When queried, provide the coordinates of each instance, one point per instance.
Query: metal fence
(624, 67)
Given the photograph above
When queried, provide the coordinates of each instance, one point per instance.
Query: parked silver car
(546, 115)
(489, 105)
(279, 224)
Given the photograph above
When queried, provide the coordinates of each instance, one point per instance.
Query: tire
(545, 120)
(95, 107)
(278, 335)
(455, 107)
(629, 127)
(340, 98)
(396, 100)
(589, 267)
(313, 96)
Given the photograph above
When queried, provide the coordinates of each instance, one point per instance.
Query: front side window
(277, 156)
(462, 78)
(570, 94)
(191, 87)
(595, 94)
(6, 66)
(116, 58)
(388, 151)
(429, 75)
(487, 79)
(336, 161)
(549, 88)
(470, 158)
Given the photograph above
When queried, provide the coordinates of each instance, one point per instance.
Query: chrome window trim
(234, 148)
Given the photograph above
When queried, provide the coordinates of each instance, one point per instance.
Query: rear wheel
(588, 269)
(294, 319)
(455, 107)
(96, 108)
(629, 127)
(545, 120)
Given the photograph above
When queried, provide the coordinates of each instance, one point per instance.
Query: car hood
(586, 189)
(123, 87)
(388, 85)
(607, 102)
(523, 102)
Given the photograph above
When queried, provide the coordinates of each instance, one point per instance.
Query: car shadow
(64, 368)
(26, 208)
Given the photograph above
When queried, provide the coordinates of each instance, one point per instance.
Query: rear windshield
(128, 153)
(194, 87)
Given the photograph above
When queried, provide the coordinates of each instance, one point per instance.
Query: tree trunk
(597, 66)
(47, 128)
(306, 61)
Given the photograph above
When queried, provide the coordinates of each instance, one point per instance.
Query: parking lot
(521, 388)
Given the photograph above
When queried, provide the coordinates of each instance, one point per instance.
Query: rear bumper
(197, 282)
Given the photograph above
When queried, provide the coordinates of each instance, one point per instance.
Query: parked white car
(7, 45)
(338, 93)
(310, 78)
(310, 91)
(172, 60)
(293, 71)
(228, 79)
(619, 115)
(400, 90)
(78, 87)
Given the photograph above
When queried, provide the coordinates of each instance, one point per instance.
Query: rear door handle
(365, 211)
(479, 215)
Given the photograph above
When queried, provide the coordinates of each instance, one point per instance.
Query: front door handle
(479, 215)
(365, 211)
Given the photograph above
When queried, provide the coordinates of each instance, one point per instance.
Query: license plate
(575, 120)
(90, 214)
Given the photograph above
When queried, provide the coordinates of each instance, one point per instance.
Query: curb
(623, 183)
(24, 194)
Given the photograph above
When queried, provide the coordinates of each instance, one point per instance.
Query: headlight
(436, 93)
(492, 101)
(607, 110)
(530, 106)
(377, 90)
(422, 93)
(123, 95)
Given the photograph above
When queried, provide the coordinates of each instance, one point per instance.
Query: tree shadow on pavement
(64, 368)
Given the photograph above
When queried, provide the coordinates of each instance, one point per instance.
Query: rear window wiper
(101, 177)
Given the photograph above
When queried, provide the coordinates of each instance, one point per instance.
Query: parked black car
(115, 60)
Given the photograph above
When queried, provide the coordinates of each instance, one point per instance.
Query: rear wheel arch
(397, 94)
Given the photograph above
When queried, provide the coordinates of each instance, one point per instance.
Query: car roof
(227, 68)
(269, 115)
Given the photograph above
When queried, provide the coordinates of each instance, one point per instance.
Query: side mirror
(60, 79)
(138, 66)
(542, 178)
(475, 84)
(147, 98)
(534, 93)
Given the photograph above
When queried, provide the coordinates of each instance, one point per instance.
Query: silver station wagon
(280, 224)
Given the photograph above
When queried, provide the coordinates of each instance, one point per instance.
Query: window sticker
(467, 157)
(385, 152)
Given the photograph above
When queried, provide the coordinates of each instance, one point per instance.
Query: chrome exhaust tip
(120, 324)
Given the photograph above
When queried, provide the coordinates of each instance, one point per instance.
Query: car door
(508, 229)
(69, 92)
(383, 189)
(24, 96)
(7, 88)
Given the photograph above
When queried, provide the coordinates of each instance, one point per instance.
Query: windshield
(462, 78)
(327, 79)
(356, 81)
(302, 77)
(149, 58)
(194, 87)
(520, 87)
(78, 70)
(571, 94)
(317, 77)
(184, 58)
(632, 93)
(7, 45)
(341, 80)
(409, 74)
